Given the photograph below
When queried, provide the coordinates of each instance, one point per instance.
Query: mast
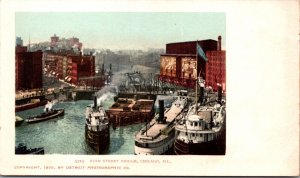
(196, 78)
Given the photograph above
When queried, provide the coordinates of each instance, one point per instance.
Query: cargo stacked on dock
(97, 128)
(131, 109)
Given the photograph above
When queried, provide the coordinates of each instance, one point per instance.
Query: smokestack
(95, 102)
(201, 94)
(102, 70)
(110, 67)
(161, 110)
(219, 92)
(219, 43)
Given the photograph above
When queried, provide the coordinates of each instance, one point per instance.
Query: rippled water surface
(65, 134)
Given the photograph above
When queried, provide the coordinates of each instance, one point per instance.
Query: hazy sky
(121, 30)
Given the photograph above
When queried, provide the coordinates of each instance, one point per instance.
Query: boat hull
(165, 149)
(24, 107)
(215, 147)
(18, 122)
(97, 140)
(22, 149)
(59, 112)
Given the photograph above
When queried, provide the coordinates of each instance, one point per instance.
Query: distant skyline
(121, 30)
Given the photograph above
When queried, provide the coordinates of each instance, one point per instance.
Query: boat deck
(173, 112)
(155, 130)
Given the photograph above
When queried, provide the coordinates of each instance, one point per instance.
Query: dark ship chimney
(102, 70)
(219, 43)
(161, 110)
(201, 94)
(95, 102)
(219, 92)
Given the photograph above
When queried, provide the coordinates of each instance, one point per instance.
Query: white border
(262, 90)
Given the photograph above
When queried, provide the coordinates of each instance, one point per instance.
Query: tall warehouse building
(180, 65)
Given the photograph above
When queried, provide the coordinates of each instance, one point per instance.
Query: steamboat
(202, 131)
(49, 113)
(97, 128)
(22, 149)
(157, 137)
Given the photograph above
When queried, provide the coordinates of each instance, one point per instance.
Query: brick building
(65, 43)
(189, 49)
(216, 69)
(20, 48)
(71, 67)
(28, 66)
(54, 40)
(80, 68)
(50, 61)
(180, 65)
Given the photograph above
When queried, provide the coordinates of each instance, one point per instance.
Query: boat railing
(96, 128)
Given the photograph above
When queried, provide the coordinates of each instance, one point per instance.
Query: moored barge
(32, 103)
(131, 109)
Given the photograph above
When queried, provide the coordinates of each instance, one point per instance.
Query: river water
(65, 134)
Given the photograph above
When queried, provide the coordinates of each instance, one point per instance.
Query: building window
(196, 124)
(200, 135)
(191, 123)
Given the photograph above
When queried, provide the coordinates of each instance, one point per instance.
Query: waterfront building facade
(80, 67)
(216, 69)
(28, 70)
(181, 66)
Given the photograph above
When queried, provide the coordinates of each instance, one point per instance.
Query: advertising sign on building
(189, 68)
(168, 66)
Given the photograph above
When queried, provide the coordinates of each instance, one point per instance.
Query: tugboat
(202, 130)
(157, 137)
(48, 114)
(22, 149)
(96, 127)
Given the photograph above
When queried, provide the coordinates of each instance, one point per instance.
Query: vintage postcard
(99, 88)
